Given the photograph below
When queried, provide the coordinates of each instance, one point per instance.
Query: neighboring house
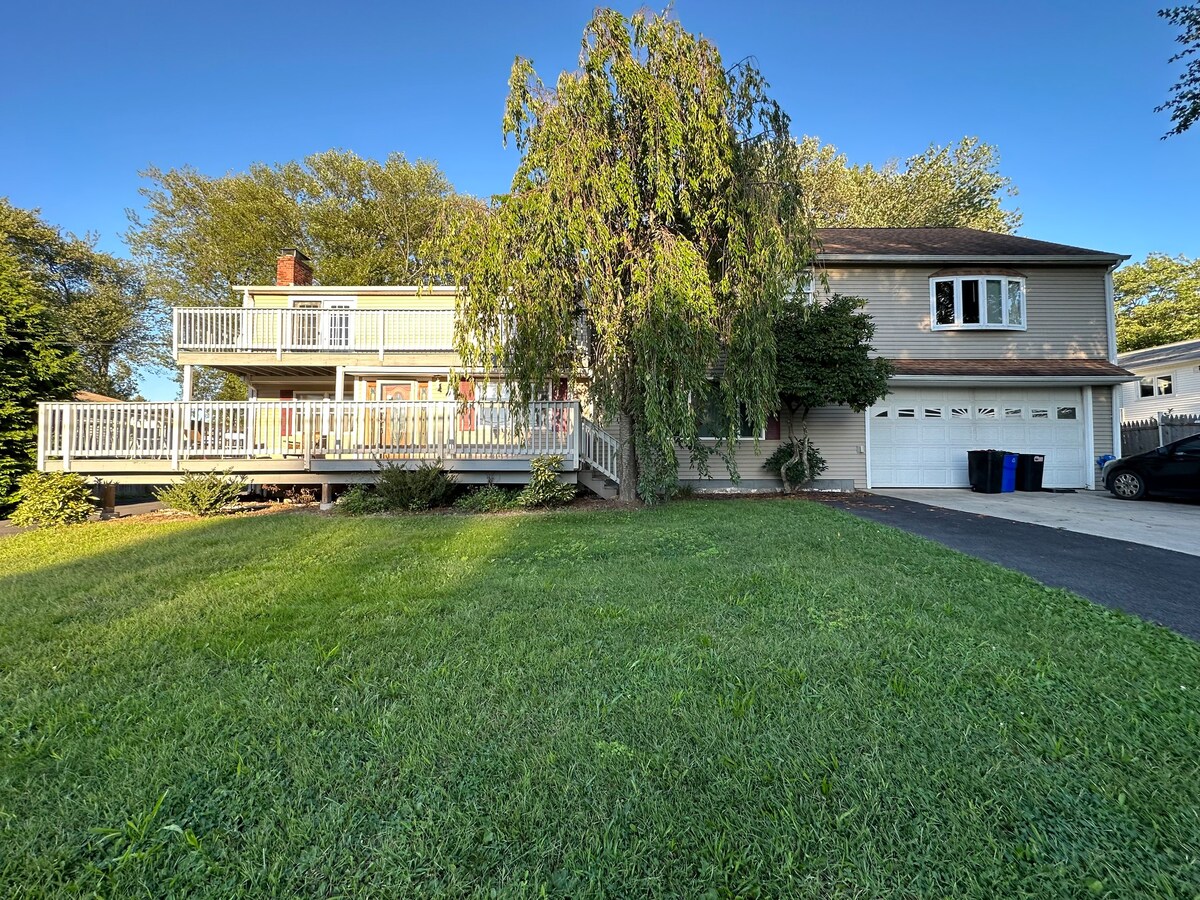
(998, 342)
(1169, 380)
(92, 397)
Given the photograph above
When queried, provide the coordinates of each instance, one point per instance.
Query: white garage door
(920, 436)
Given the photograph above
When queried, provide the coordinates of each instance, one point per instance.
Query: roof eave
(943, 258)
(1014, 380)
(436, 290)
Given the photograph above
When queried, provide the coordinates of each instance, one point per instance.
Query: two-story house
(998, 342)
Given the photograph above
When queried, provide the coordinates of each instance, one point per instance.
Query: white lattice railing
(279, 331)
(328, 429)
(600, 450)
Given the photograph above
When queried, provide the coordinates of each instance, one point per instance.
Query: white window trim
(1155, 380)
(332, 302)
(982, 277)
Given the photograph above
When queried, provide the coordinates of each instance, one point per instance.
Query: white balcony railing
(291, 330)
(306, 429)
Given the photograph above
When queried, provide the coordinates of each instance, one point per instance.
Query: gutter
(1109, 259)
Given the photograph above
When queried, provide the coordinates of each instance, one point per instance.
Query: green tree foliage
(656, 218)
(953, 186)
(1158, 301)
(35, 364)
(97, 301)
(824, 359)
(1184, 104)
(362, 221)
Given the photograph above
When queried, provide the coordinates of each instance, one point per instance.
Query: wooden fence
(1145, 434)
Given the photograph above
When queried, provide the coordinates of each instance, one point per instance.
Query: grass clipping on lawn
(735, 699)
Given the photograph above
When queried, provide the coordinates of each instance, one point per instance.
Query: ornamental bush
(544, 488)
(52, 498)
(359, 500)
(202, 493)
(804, 469)
(486, 499)
(425, 487)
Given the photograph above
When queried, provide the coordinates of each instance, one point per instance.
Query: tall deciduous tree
(362, 221)
(656, 218)
(97, 301)
(36, 364)
(824, 359)
(1184, 104)
(1158, 301)
(954, 186)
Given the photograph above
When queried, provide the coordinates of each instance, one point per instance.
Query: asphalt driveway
(1159, 585)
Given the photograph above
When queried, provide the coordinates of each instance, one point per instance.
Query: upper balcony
(217, 335)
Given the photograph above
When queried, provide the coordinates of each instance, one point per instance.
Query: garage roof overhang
(1012, 372)
(1009, 380)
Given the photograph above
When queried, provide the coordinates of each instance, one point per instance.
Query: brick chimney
(292, 269)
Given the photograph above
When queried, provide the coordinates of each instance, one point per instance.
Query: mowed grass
(722, 699)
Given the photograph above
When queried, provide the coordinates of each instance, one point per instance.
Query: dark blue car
(1172, 469)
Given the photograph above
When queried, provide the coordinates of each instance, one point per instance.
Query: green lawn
(707, 699)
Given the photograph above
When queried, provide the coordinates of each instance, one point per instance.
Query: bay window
(977, 301)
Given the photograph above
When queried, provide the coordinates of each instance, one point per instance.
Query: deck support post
(187, 383)
(108, 500)
(339, 384)
(326, 496)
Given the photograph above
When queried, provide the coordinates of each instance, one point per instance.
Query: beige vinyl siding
(1066, 314)
(836, 431)
(1102, 412)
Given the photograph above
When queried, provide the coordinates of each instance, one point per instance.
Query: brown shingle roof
(1021, 368)
(943, 242)
(92, 397)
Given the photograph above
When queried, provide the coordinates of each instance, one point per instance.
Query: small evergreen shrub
(801, 471)
(490, 498)
(544, 488)
(425, 487)
(202, 493)
(359, 500)
(52, 498)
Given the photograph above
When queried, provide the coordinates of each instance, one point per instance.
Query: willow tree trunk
(627, 468)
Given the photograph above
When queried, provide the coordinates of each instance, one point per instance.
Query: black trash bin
(1030, 468)
(985, 470)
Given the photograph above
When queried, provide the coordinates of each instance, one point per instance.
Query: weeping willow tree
(652, 233)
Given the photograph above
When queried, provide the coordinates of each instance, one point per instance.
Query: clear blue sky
(92, 92)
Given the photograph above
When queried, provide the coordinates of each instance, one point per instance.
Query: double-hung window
(977, 302)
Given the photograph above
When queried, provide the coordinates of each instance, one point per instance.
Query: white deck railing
(279, 331)
(288, 429)
(600, 450)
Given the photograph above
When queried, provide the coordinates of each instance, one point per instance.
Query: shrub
(806, 468)
(359, 500)
(425, 487)
(544, 488)
(202, 493)
(52, 498)
(490, 498)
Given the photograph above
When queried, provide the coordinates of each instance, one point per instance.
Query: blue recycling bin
(1008, 479)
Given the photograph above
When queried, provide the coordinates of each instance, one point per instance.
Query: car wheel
(1126, 485)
